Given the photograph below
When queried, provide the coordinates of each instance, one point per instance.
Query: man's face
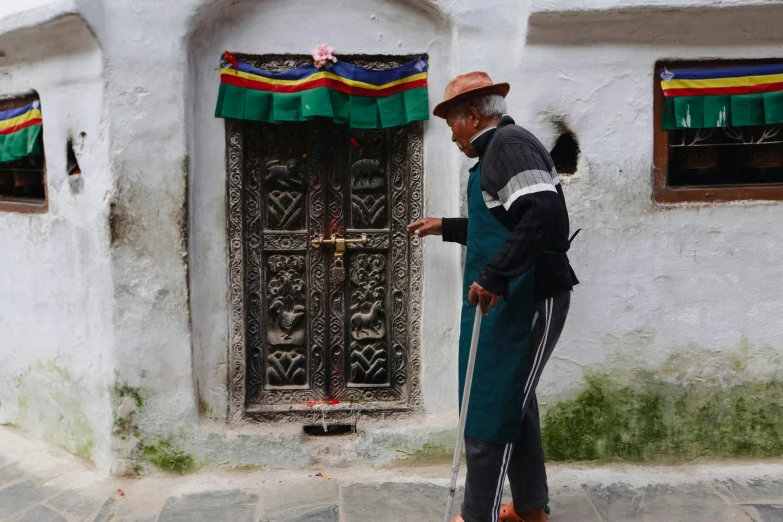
(462, 129)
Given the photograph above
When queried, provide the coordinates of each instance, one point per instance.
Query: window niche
(722, 163)
(565, 154)
(74, 171)
(72, 162)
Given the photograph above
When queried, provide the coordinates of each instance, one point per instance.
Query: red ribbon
(332, 402)
(231, 59)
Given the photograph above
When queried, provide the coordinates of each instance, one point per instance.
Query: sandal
(507, 513)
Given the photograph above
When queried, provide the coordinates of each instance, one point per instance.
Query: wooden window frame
(662, 192)
(22, 206)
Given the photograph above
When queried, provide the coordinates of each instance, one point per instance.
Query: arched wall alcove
(378, 27)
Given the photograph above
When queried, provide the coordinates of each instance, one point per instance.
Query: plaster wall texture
(144, 301)
(656, 281)
(560, 6)
(56, 314)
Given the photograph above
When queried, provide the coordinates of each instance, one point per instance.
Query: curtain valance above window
(347, 94)
(722, 97)
(20, 132)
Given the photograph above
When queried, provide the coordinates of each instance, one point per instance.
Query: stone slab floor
(40, 483)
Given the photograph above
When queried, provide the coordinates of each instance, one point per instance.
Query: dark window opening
(331, 429)
(726, 156)
(23, 180)
(73, 163)
(566, 154)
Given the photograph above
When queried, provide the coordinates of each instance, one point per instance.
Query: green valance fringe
(361, 112)
(20, 144)
(707, 112)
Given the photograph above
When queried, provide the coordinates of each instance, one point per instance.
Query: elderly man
(516, 235)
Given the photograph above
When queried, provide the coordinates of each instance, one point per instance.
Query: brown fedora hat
(468, 85)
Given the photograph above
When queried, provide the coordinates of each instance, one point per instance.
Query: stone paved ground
(39, 483)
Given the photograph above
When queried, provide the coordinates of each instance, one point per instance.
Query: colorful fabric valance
(723, 97)
(20, 132)
(347, 94)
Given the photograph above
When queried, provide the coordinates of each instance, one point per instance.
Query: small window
(22, 165)
(718, 131)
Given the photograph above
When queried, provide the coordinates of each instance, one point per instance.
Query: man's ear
(474, 114)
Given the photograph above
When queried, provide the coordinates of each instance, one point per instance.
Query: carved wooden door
(320, 326)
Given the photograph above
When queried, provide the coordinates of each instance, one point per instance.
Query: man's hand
(483, 298)
(426, 227)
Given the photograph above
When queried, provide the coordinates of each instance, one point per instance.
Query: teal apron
(495, 408)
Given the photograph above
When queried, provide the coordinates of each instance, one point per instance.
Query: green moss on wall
(121, 390)
(127, 402)
(428, 454)
(49, 405)
(164, 455)
(648, 417)
(203, 407)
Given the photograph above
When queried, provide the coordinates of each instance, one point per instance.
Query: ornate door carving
(305, 325)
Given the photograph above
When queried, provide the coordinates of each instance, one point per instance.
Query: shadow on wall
(739, 25)
(212, 11)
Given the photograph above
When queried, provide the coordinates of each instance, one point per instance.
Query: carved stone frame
(235, 200)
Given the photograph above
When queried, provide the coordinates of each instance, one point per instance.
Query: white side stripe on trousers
(501, 482)
(548, 307)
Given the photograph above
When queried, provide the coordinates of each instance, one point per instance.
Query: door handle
(337, 242)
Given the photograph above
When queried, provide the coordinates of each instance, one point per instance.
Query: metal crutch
(463, 413)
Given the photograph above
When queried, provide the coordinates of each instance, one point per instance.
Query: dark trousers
(523, 462)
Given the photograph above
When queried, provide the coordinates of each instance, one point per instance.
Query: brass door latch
(338, 270)
(338, 243)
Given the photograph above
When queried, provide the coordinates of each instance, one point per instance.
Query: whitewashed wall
(697, 281)
(131, 273)
(56, 330)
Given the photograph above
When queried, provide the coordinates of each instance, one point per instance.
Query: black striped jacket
(521, 188)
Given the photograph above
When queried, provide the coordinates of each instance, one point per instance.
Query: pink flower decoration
(323, 54)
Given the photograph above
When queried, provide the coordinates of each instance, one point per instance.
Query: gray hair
(487, 105)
